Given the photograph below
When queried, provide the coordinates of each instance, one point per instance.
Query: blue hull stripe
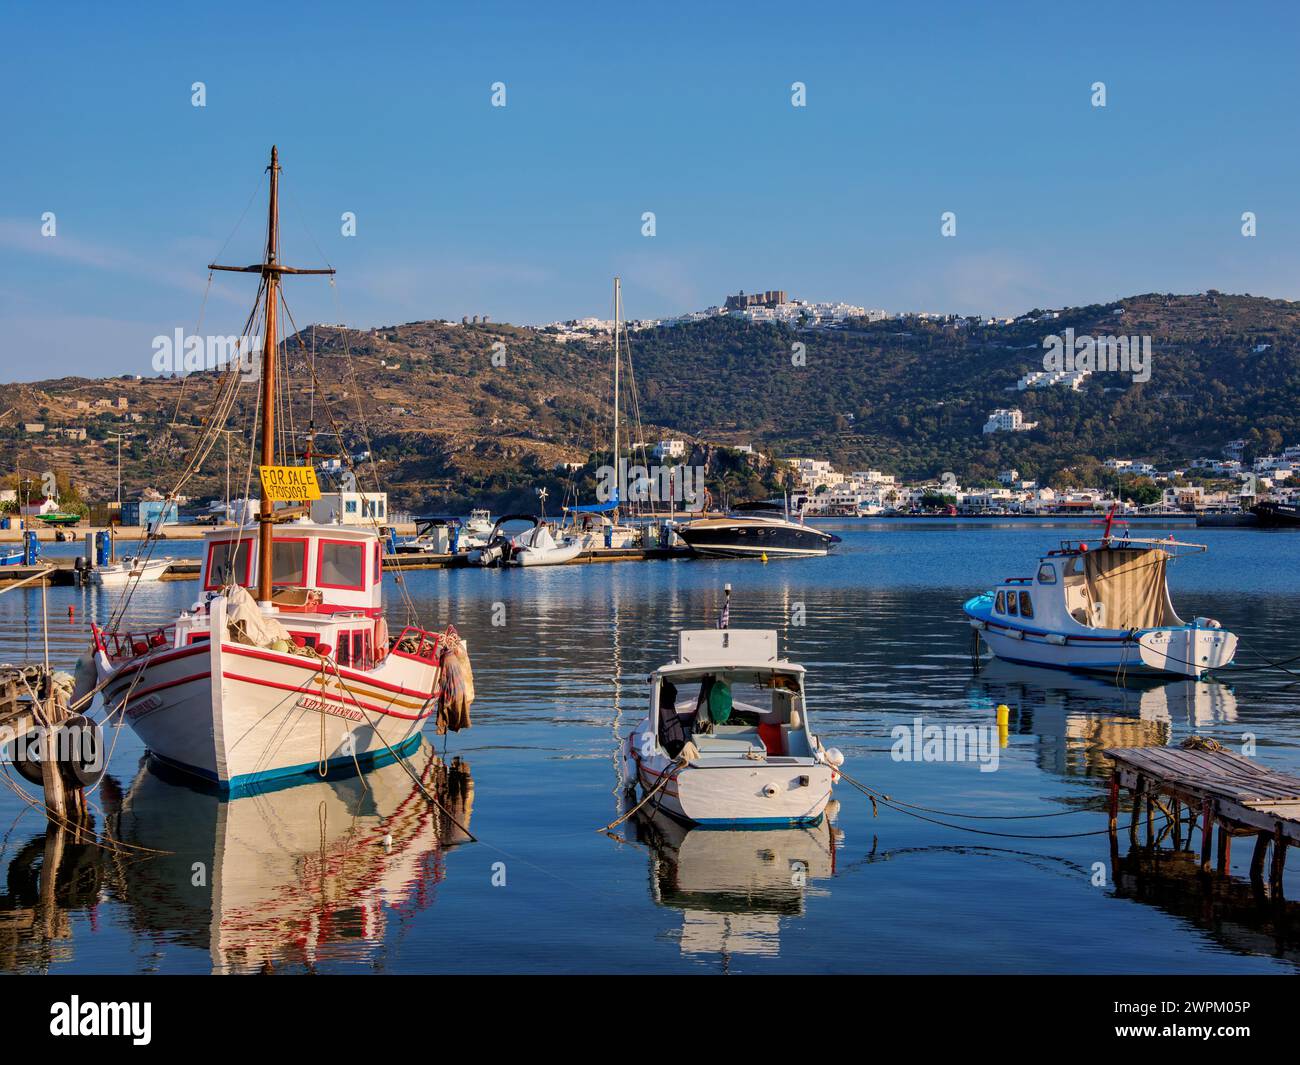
(272, 779)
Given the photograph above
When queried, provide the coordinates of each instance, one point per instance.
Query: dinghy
(709, 758)
(1101, 608)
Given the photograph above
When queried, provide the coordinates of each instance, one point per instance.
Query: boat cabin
(327, 594)
(1120, 585)
(314, 568)
(731, 697)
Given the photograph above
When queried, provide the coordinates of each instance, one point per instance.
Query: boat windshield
(729, 711)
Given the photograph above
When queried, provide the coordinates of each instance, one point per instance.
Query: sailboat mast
(618, 472)
(268, 379)
(271, 271)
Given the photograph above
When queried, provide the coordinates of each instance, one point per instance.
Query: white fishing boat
(1104, 608)
(710, 758)
(478, 526)
(300, 676)
(131, 568)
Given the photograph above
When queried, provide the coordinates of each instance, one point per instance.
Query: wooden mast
(271, 272)
(264, 518)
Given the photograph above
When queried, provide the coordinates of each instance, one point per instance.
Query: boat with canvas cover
(284, 666)
(710, 758)
(1102, 608)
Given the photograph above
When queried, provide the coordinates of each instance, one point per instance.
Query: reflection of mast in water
(288, 876)
(616, 725)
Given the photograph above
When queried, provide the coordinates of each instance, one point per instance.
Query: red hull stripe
(345, 699)
(159, 687)
(311, 666)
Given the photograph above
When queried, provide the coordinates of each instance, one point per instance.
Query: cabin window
(288, 562)
(1026, 605)
(343, 649)
(1046, 573)
(350, 507)
(379, 562)
(1000, 606)
(228, 563)
(1011, 603)
(342, 565)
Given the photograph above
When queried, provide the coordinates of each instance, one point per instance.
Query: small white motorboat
(1105, 608)
(539, 547)
(710, 758)
(131, 568)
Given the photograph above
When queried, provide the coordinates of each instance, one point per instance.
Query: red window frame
(291, 540)
(320, 565)
(379, 562)
(208, 586)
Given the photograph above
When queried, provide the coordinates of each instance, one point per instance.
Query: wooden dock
(1201, 785)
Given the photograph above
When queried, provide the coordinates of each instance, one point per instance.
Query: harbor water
(361, 874)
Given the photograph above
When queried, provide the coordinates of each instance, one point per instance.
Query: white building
(350, 508)
(1006, 420)
(670, 449)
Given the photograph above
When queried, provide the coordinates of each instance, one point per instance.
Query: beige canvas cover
(1131, 583)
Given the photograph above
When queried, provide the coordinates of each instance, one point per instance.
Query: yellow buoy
(764, 556)
(1004, 718)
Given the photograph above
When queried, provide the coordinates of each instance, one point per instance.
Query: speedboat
(478, 525)
(751, 535)
(1275, 514)
(131, 568)
(710, 758)
(536, 546)
(539, 547)
(1103, 608)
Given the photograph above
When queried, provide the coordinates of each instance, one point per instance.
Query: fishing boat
(131, 568)
(478, 526)
(1105, 608)
(754, 531)
(709, 758)
(284, 666)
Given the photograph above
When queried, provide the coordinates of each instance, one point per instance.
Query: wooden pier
(1201, 785)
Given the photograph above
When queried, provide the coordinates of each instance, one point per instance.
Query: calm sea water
(361, 874)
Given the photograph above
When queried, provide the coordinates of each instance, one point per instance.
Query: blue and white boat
(709, 758)
(1101, 608)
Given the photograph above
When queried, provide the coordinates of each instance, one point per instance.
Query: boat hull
(737, 794)
(1185, 651)
(751, 540)
(239, 716)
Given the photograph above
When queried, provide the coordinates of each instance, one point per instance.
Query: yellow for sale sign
(289, 484)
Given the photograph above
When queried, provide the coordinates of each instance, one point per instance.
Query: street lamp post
(119, 470)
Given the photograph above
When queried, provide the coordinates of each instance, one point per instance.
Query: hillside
(448, 425)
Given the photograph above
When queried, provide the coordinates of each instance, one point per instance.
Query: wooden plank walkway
(1217, 787)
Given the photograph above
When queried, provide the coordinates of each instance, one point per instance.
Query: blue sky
(526, 212)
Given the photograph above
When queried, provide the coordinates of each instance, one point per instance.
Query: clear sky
(526, 212)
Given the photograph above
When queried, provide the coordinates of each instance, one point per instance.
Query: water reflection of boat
(282, 877)
(732, 887)
(1077, 716)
